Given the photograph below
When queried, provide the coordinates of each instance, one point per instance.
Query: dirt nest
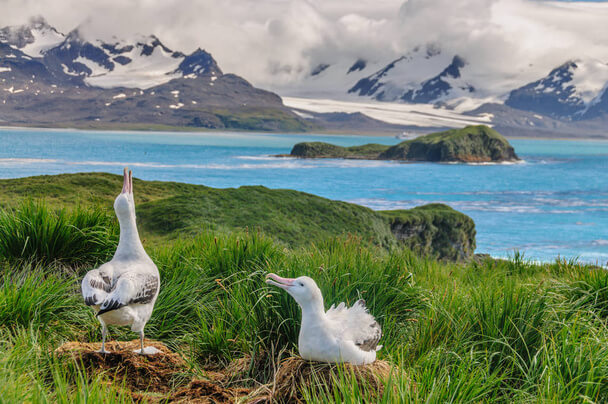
(203, 391)
(162, 377)
(156, 373)
(296, 372)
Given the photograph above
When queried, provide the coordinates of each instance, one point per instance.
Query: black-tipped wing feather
(356, 324)
(95, 287)
(130, 288)
(370, 344)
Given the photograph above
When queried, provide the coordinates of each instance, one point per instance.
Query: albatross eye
(301, 283)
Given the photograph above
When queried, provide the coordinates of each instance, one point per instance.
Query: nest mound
(295, 372)
(160, 374)
(155, 373)
(203, 391)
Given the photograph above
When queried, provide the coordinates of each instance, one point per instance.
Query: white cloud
(273, 42)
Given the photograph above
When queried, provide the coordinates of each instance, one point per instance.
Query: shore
(187, 130)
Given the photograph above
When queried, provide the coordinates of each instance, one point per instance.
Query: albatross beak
(127, 182)
(283, 283)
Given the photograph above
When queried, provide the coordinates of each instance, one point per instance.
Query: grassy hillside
(471, 144)
(494, 331)
(168, 209)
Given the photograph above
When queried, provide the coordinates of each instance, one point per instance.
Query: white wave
(470, 206)
(288, 165)
(265, 157)
(25, 161)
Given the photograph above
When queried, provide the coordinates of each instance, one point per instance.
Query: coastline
(198, 131)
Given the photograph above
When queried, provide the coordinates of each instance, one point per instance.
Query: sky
(275, 42)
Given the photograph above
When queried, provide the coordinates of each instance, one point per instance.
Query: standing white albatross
(341, 334)
(124, 290)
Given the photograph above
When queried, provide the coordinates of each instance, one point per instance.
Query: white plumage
(123, 291)
(342, 334)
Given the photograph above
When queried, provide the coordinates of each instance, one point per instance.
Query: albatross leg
(150, 350)
(104, 332)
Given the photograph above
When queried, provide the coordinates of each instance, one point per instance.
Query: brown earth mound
(156, 373)
(202, 391)
(162, 377)
(295, 372)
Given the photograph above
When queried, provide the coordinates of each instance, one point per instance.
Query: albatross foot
(149, 350)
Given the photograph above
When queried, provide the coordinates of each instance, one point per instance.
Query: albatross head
(303, 289)
(124, 205)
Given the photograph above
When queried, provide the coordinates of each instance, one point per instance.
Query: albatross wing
(131, 287)
(95, 287)
(356, 324)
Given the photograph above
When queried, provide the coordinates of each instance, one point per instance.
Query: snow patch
(67, 71)
(142, 72)
(44, 39)
(422, 115)
(121, 95)
(302, 114)
(5, 69)
(589, 79)
(96, 69)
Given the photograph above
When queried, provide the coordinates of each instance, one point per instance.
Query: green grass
(32, 232)
(261, 119)
(327, 150)
(167, 210)
(505, 331)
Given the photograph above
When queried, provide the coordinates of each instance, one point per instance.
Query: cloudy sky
(271, 42)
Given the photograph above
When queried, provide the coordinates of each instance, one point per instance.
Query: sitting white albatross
(339, 335)
(124, 290)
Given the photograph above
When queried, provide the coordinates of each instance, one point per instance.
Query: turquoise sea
(554, 203)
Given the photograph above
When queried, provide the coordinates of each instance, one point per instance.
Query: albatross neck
(129, 244)
(313, 312)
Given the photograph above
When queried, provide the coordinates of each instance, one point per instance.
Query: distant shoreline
(194, 131)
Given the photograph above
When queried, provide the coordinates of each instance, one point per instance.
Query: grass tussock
(33, 232)
(485, 331)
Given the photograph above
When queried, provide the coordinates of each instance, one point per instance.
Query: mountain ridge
(76, 82)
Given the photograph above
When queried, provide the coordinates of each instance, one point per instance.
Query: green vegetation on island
(168, 210)
(472, 144)
(500, 331)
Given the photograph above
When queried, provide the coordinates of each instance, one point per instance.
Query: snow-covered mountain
(47, 78)
(32, 39)
(568, 91)
(141, 62)
(425, 75)
(38, 61)
(576, 90)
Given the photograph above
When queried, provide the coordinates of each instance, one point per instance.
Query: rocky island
(472, 144)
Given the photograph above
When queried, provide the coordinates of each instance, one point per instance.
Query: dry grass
(163, 377)
(154, 373)
(296, 373)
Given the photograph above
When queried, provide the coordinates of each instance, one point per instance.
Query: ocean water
(555, 203)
